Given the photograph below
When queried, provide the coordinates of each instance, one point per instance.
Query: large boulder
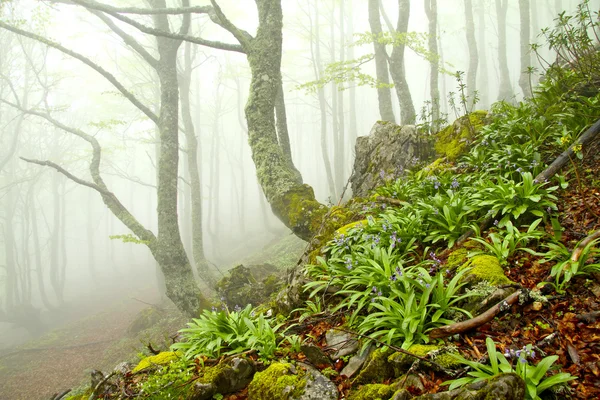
(385, 153)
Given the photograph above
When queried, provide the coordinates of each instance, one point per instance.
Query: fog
(56, 253)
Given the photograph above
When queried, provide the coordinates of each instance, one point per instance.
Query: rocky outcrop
(385, 153)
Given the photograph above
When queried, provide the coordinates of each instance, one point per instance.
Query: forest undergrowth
(402, 271)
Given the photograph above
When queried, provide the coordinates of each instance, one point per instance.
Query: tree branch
(107, 75)
(221, 19)
(141, 11)
(157, 32)
(128, 39)
(459, 327)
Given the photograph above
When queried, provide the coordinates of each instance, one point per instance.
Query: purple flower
(454, 184)
(496, 222)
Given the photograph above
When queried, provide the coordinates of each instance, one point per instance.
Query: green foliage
(229, 332)
(533, 375)
(507, 241)
(168, 381)
(565, 268)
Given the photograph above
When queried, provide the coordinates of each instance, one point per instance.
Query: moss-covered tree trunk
(168, 249)
(293, 202)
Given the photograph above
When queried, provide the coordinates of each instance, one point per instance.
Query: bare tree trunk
(185, 80)
(408, 115)
(37, 253)
(473, 54)
(317, 66)
(506, 92)
(483, 70)
(525, 20)
(352, 90)
(384, 94)
(341, 145)
(91, 245)
(434, 90)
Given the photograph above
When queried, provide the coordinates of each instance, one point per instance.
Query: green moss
(278, 382)
(439, 165)
(376, 369)
(486, 268)
(372, 392)
(457, 258)
(344, 229)
(440, 355)
(299, 209)
(160, 359)
(453, 141)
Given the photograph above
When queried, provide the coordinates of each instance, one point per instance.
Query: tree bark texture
(408, 115)
(434, 90)
(473, 53)
(505, 92)
(525, 33)
(384, 94)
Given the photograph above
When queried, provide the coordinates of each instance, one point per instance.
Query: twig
(389, 200)
(61, 395)
(479, 320)
(99, 385)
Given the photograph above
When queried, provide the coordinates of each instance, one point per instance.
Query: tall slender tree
(431, 11)
(397, 68)
(384, 95)
(473, 53)
(505, 92)
(525, 34)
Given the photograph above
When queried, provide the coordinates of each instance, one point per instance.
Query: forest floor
(63, 358)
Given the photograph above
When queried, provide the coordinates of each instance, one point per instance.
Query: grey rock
(356, 362)
(318, 387)
(501, 387)
(231, 377)
(342, 343)
(387, 151)
(315, 355)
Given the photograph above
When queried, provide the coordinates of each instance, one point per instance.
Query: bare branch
(111, 78)
(69, 175)
(142, 11)
(221, 19)
(128, 39)
(157, 32)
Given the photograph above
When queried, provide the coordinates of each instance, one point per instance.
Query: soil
(63, 358)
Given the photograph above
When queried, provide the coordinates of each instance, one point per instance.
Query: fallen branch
(459, 327)
(389, 200)
(579, 249)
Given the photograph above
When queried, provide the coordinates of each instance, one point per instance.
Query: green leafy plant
(566, 268)
(533, 375)
(449, 217)
(228, 332)
(168, 381)
(506, 242)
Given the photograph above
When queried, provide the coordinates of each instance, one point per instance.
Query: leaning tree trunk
(525, 19)
(483, 74)
(397, 69)
(384, 94)
(505, 92)
(293, 203)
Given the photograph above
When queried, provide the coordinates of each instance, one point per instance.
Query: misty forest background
(55, 234)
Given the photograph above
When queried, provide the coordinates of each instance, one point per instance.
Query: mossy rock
(281, 381)
(344, 229)
(454, 140)
(162, 358)
(226, 377)
(376, 369)
(376, 391)
(145, 319)
(401, 362)
(249, 285)
(485, 268)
